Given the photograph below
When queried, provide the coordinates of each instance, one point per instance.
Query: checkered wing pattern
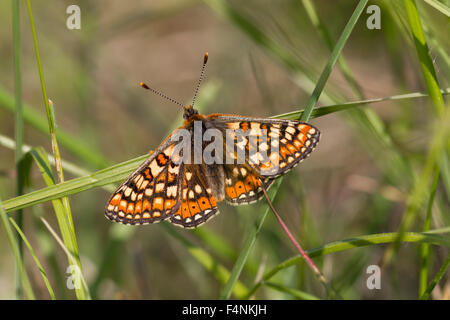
(271, 146)
(243, 185)
(151, 193)
(198, 202)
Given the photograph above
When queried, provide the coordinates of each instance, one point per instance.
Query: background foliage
(381, 167)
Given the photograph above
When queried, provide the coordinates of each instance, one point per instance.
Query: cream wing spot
(290, 130)
(172, 191)
(159, 187)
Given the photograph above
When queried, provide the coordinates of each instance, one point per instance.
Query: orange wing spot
(284, 152)
(185, 210)
(158, 203)
(130, 208)
(169, 204)
(291, 148)
(171, 177)
(138, 207)
(250, 183)
(213, 201)
(298, 144)
(304, 128)
(204, 203)
(231, 193)
(244, 126)
(115, 200)
(194, 208)
(148, 175)
(266, 165)
(146, 206)
(240, 188)
(162, 160)
(123, 205)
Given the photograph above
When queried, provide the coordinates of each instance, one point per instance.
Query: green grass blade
(66, 227)
(326, 36)
(436, 279)
(322, 111)
(219, 271)
(67, 165)
(425, 248)
(70, 257)
(416, 197)
(63, 213)
(36, 260)
(442, 8)
(314, 98)
(15, 248)
(248, 245)
(18, 126)
(71, 142)
(423, 53)
(434, 237)
(293, 292)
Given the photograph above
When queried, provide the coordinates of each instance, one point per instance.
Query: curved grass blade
(293, 292)
(442, 8)
(71, 142)
(248, 245)
(36, 260)
(436, 279)
(16, 252)
(18, 126)
(432, 237)
(425, 248)
(76, 274)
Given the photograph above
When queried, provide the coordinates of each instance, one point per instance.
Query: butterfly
(167, 187)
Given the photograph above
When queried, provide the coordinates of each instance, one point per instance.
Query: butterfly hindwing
(243, 185)
(198, 201)
(151, 193)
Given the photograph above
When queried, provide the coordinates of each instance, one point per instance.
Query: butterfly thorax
(189, 111)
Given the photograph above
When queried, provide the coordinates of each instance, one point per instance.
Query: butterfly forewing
(272, 146)
(151, 193)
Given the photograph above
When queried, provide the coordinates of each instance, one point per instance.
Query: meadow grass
(234, 269)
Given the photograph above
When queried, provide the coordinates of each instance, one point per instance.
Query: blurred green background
(350, 185)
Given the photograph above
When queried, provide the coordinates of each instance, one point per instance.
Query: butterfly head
(189, 111)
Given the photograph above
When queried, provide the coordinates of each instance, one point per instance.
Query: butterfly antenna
(159, 93)
(205, 60)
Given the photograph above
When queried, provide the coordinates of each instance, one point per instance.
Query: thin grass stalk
(332, 61)
(423, 53)
(64, 217)
(18, 258)
(425, 248)
(18, 128)
(430, 77)
(36, 260)
(286, 230)
(226, 291)
(77, 275)
(432, 237)
(326, 36)
(438, 145)
(436, 279)
(291, 291)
